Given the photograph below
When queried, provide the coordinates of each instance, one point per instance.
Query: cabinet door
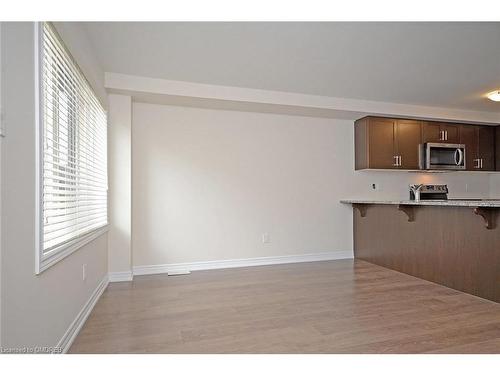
(408, 140)
(439, 132)
(497, 148)
(431, 132)
(452, 133)
(381, 143)
(486, 139)
(469, 137)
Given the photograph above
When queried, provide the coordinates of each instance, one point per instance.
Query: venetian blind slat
(74, 148)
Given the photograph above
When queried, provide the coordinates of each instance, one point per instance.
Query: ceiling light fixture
(494, 95)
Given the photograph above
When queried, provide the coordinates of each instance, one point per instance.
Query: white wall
(1, 138)
(36, 310)
(120, 183)
(208, 183)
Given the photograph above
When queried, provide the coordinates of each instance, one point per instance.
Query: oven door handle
(460, 154)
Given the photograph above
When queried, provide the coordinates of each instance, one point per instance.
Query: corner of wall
(120, 187)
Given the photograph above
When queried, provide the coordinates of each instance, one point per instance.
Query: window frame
(44, 261)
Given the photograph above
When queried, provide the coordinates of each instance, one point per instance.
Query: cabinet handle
(460, 155)
(443, 135)
(481, 163)
(400, 160)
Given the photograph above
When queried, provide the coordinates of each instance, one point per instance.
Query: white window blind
(74, 160)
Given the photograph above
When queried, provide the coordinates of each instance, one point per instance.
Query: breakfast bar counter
(455, 243)
(448, 202)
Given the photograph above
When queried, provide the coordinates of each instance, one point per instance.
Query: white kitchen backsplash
(394, 184)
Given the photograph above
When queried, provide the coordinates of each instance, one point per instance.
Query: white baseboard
(120, 276)
(72, 331)
(235, 263)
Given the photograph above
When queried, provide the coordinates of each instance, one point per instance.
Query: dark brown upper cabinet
(479, 144)
(497, 147)
(486, 147)
(385, 143)
(469, 137)
(409, 138)
(440, 132)
(388, 143)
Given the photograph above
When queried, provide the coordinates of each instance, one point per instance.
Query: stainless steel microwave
(442, 156)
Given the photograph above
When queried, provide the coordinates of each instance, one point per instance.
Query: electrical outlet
(2, 124)
(375, 186)
(84, 272)
(266, 238)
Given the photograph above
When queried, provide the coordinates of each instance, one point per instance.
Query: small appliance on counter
(428, 192)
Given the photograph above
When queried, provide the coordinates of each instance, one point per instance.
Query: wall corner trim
(236, 263)
(69, 336)
(120, 276)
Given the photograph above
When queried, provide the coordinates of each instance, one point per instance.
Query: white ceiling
(435, 64)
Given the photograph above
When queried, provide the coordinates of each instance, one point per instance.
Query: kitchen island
(455, 243)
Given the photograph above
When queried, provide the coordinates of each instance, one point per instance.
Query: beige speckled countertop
(450, 202)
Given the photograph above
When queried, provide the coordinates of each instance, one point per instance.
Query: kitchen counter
(450, 202)
(449, 242)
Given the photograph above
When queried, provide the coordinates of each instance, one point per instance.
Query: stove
(430, 192)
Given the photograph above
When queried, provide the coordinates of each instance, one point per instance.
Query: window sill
(65, 250)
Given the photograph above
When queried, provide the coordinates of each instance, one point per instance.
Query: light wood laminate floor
(344, 306)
